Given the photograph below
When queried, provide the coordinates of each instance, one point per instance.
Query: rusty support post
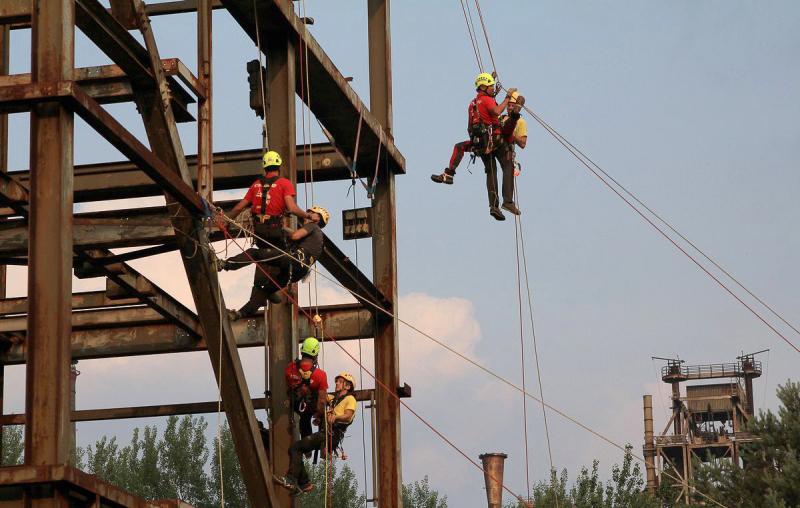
(164, 139)
(649, 446)
(282, 318)
(205, 153)
(5, 32)
(493, 465)
(47, 401)
(677, 408)
(384, 262)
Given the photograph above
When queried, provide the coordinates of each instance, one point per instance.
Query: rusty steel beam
(334, 102)
(60, 486)
(5, 39)
(353, 279)
(232, 170)
(92, 233)
(108, 84)
(190, 408)
(123, 280)
(159, 336)
(113, 39)
(80, 301)
(15, 11)
(125, 142)
(201, 272)
(282, 319)
(48, 436)
(384, 265)
(205, 146)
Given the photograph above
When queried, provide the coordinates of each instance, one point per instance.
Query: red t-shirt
(317, 382)
(276, 204)
(485, 105)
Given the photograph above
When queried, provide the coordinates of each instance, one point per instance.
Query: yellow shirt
(349, 402)
(521, 130)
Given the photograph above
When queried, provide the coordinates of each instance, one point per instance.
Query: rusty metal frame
(143, 318)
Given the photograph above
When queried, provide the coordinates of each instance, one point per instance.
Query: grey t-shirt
(312, 242)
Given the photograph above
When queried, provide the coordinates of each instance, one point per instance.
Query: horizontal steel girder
(191, 408)
(150, 226)
(334, 102)
(139, 330)
(71, 487)
(93, 113)
(232, 170)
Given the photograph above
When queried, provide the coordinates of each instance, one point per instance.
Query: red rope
(388, 390)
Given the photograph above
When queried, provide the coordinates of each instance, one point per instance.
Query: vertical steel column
(5, 31)
(47, 399)
(205, 155)
(282, 318)
(676, 408)
(649, 447)
(384, 262)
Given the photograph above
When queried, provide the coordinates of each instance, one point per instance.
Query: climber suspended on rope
(514, 130)
(283, 263)
(486, 141)
(307, 385)
(267, 208)
(340, 414)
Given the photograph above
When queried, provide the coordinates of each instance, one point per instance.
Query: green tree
(420, 495)
(231, 478)
(13, 445)
(183, 457)
(625, 489)
(343, 485)
(771, 476)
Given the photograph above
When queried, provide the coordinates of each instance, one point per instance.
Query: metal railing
(714, 370)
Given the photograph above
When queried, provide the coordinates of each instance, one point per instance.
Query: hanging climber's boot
(496, 213)
(445, 177)
(221, 264)
(511, 207)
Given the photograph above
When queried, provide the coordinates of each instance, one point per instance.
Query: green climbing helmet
(310, 347)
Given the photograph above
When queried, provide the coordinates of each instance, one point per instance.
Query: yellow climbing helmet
(325, 216)
(484, 78)
(310, 347)
(349, 378)
(271, 158)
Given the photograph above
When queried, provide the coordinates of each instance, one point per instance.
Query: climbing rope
(265, 138)
(533, 329)
(433, 339)
(486, 35)
(378, 382)
(522, 361)
(470, 30)
(621, 192)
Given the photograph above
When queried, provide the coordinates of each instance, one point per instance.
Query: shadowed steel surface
(47, 402)
(493, 465)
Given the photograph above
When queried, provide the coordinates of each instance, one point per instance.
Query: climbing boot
(496, 213)
(443, 178)
(511, 207)
(275, 297)
(286, 482)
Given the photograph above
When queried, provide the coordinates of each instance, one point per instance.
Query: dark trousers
(315, 441)
(269, 259)
(458, 154)
(297, 469)
(503, 157)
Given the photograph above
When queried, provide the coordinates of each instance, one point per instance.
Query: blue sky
(692, 105)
